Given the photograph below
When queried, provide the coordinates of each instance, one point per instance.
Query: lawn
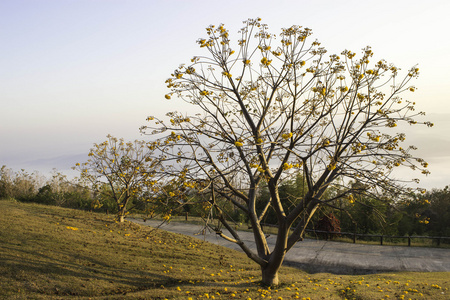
(49, 252)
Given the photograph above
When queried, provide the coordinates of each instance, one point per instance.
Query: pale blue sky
(73, 71)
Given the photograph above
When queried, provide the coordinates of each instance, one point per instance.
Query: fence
(380, 237)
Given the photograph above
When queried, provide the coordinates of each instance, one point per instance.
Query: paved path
(334, 257)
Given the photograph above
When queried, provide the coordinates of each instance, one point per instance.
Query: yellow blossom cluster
(350, 198)
(266, 62)
(287, 166)
(286, 136)
(225, 73)
(373, 137)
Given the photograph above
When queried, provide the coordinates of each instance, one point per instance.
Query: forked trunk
(270, 276)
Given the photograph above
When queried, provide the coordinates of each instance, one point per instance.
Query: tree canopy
(270, 106)
(121, 170)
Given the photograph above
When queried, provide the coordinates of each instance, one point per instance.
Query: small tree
(6, 182)
(127, 168)
(268, 110)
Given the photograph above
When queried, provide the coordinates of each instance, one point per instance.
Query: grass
(55, 253)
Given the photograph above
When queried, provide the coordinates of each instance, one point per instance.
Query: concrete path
(333, 257)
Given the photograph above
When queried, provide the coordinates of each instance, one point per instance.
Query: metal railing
(382, 238)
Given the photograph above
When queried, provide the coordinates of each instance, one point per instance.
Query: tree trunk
(270, 276)
(121, 218)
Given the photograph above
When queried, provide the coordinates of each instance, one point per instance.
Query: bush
(328, 223)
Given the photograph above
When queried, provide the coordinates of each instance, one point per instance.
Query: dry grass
(54, 253)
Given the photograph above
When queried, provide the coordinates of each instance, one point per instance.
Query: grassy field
(54, 253)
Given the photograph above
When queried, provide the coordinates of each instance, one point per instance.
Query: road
(334, 257)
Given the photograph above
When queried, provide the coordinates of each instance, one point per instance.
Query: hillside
(49, 252)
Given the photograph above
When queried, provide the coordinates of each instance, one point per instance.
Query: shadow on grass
(45, 274)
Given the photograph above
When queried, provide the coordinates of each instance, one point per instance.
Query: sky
(74, 71)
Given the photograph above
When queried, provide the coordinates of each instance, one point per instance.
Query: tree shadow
(81, 267)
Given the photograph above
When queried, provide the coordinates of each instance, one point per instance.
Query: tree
(127, 169)
(21, 185)
(426, 214)
(6, 183)
(438, 211)
(272, 106)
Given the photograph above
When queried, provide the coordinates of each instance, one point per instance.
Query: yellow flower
(167, 96)
(265, 61)
(286, 135)
(247, 61)
(331, 166)
(238, 144)
(286, 166)
(71, 228)
(350, 198)
(190, 70)
(361, 76)
(412, 89)
(224, 73)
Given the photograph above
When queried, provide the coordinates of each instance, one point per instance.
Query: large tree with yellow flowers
(272, 106)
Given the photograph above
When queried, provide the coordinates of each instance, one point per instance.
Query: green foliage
(291, 192)
(426, 214)
(18, 185)
(6, 183)
(58, 191)
(438, 211)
